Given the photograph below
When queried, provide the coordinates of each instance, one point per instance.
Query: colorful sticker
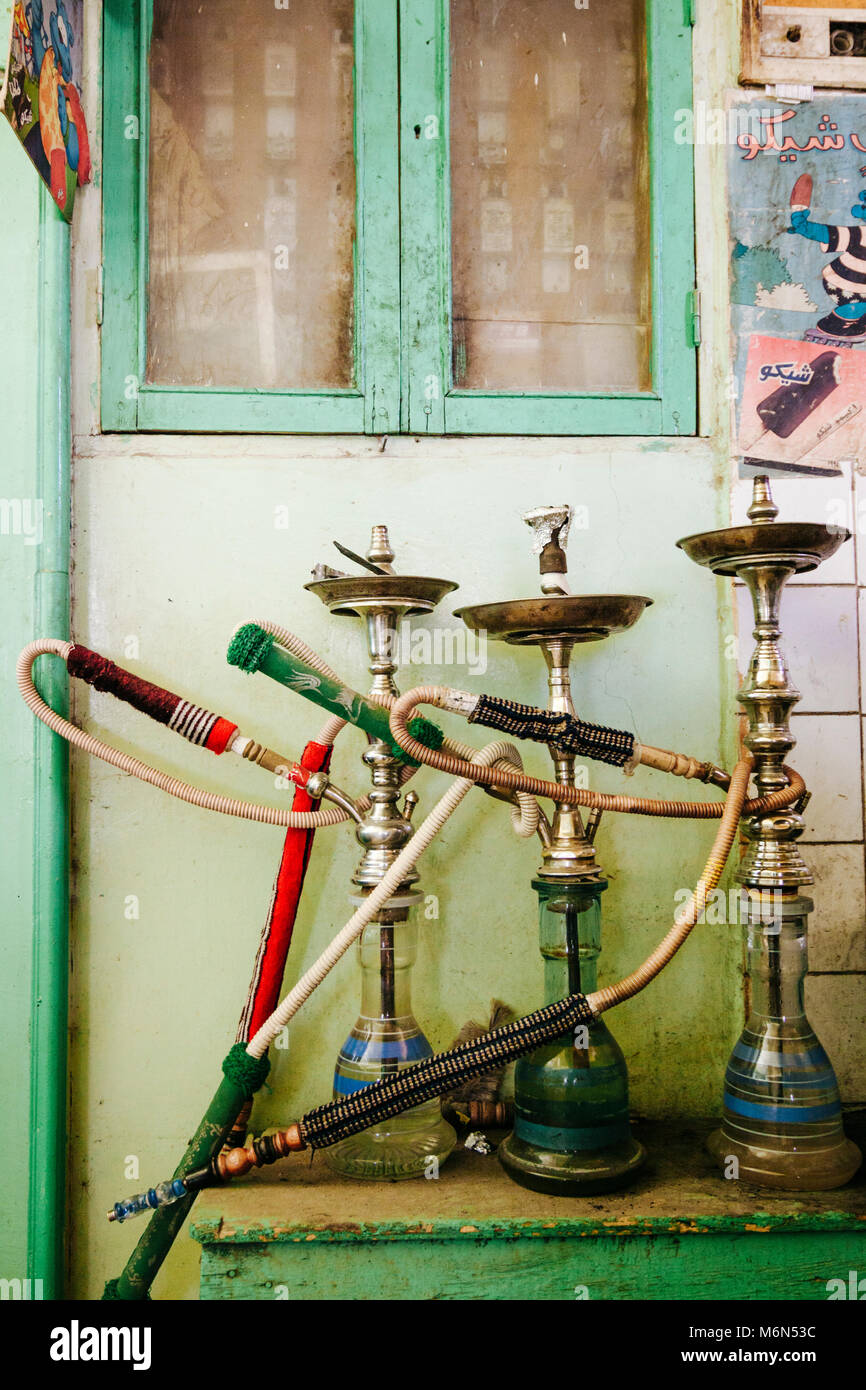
(41, 93)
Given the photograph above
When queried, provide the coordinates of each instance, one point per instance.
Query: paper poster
(41, 93)
(802, 403)
(797, 200)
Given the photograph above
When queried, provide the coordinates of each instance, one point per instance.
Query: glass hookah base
(782, 1164)
(389, 1154)
(575, 1174)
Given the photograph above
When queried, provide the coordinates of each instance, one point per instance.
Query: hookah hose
(454, 700)
(575, 736)
(275, 941)
(155, 701)
(378, 1101)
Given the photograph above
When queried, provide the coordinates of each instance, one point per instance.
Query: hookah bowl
(782, 1117)
(571, 1132)
(386, 1035)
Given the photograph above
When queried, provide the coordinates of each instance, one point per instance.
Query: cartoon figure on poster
(845, 276)
(42, 99)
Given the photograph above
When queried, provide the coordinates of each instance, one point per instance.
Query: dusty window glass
(251, 194)
(550, 195)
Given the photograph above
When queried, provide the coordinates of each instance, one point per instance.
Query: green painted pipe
(158, 1237)
(49, 1007)
(253, 649)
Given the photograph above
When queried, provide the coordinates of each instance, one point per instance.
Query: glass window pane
(550, 195)
(251, 194)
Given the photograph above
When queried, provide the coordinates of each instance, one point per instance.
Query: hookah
(386, 1034)
(782, 1114)
(571, 1124)
(219, 1149)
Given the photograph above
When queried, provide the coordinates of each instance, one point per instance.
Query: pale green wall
(175, 544)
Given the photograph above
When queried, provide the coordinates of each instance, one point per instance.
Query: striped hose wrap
(565, 731)
(192, 722)
(328, 1124)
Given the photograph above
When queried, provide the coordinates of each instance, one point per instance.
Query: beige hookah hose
(599, 1000)
(524, 818)
(690, 912)
(405, 706)
(372, 904)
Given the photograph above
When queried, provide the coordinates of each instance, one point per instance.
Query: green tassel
(248, 1073)
(425, 732)
(249, 647)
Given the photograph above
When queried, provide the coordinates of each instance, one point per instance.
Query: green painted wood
(500, 413)
(22, 385)
(175, 410)
(377, 264)
(672, 202)
(122, 362)
(425, 187)
(680, 1231)
(127, 402)
(493, 1267)
(578, 1226)
(50, 975)
(403, 287)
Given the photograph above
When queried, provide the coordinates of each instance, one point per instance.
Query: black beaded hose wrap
(565, 731)
(330, 1123)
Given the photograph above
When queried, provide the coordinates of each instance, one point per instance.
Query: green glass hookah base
(576, 1174)
(571, 1132)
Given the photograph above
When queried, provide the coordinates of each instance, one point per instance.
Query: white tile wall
(819, 640)
(837, 938)
(827, 753)
(836, 1006)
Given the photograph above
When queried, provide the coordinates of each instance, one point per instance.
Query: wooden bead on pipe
(676, 763)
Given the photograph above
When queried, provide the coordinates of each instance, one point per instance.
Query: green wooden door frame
(431, 402)
(402, 254)
(128, 401)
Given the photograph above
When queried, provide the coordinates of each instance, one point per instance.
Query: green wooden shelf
(681, 1232)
